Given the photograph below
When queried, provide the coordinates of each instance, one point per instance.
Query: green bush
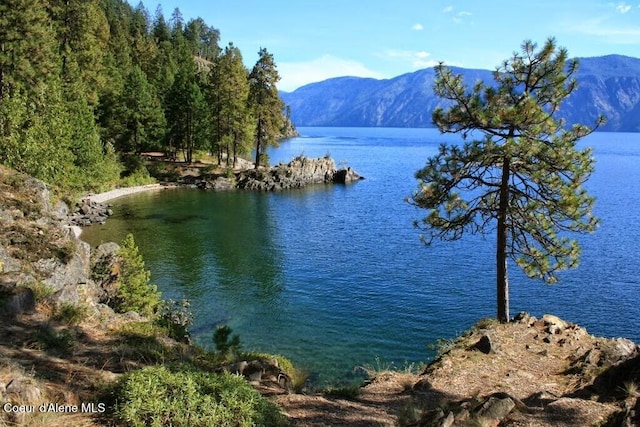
(155, 396)
(135, 293)
(71, 313)
(228, 347)
(49, 339)
(176, 317)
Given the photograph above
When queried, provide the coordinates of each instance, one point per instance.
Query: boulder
(484, 345)
(493, 410)
(344, 176)
(260, 371)
(554, 324)
(74, 272)
(23, 391)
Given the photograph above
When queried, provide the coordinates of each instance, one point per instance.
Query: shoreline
(125, 191)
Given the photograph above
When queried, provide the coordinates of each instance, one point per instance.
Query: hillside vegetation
(85, 86)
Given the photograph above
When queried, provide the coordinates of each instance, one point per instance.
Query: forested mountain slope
(609, 85)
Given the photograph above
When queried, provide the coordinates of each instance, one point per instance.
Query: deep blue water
(336, 276)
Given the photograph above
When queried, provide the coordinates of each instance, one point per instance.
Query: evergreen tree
(523, 175)
(135, 292)
(161, 31)
(227, 95)
(265, 103)
(82, 36)
(140, 114)
(186, 113)
(27, 57)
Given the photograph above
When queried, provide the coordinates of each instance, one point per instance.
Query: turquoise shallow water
(335, 276)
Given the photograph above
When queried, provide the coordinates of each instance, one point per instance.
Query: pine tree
(228, 92)
(135, 292)
(186, 113)
(523, 175)
(27, 57)
(140, 114)
(265, 103)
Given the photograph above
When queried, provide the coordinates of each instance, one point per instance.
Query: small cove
(335, 277)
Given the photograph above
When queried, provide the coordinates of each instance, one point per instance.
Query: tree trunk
(502, 278)
(258, 143)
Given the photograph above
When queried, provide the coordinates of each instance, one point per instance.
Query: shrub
(70, 313)
(135, 173)
(48, 338)
(155, 396)
(228, 347)
(41, 291)
(135, 293)
(176, 317)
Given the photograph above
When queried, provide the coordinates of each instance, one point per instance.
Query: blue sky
(315, 40)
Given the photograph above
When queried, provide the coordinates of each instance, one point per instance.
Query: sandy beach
(125, 191)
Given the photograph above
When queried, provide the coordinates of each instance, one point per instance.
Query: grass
(631, 389)
(70, 313)
(40, 291)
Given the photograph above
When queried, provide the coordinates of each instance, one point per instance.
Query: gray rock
(7, 263)
(68, 294)
(449, 420)
(21, 301)
(494, 408)
(75, 272)
(554, 323)
(254, 371)
(298, 173)
(24, 390)
(484, 345)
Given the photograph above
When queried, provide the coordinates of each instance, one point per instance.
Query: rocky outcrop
(38, 248)
(89, 212)
(298, 173)
(534, 372)
(260, 371)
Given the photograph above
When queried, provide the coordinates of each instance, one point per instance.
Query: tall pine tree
(522, 176)
(265, 104)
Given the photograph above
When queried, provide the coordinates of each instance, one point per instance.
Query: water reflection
(218, 250)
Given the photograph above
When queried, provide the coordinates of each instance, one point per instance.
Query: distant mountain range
(608, 85)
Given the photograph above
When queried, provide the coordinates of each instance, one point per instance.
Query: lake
(335, 277)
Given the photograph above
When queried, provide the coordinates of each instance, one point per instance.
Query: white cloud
(296, 74)
(458, 19)
(610, 34)
(417, 27)
(447, 9)
(417, 59)
(623, 7)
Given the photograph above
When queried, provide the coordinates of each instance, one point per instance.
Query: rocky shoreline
(533, 372)
(300, 172)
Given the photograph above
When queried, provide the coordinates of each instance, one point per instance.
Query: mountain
(608, 84)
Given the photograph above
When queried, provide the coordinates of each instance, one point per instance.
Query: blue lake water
(335, 276)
